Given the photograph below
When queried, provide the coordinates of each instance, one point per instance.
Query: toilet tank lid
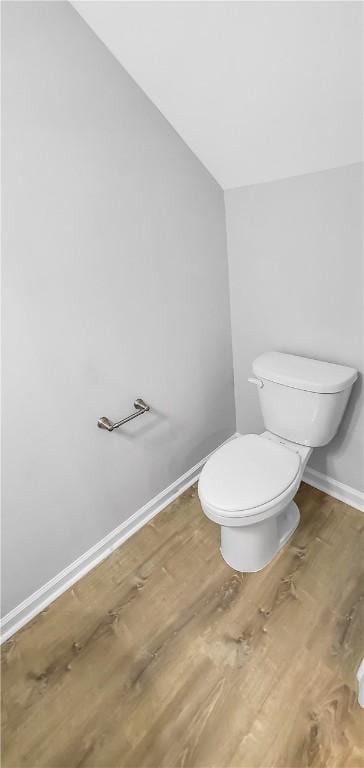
(303, 372)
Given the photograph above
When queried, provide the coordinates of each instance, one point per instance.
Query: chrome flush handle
(257, 382)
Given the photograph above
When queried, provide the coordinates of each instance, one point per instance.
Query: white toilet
(247, 486)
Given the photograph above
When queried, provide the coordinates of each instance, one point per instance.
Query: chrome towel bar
(140, 407)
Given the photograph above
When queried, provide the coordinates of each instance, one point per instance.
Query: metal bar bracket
(140, 407)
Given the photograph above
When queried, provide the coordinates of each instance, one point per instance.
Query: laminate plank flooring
(163, 656)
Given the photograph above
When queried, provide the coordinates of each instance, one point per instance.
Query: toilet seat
(249, 476)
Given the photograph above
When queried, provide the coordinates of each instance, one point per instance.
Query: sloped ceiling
(258, 90)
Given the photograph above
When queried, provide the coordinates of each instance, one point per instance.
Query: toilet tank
(301, 399)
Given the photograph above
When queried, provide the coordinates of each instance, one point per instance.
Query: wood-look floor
(163, 656)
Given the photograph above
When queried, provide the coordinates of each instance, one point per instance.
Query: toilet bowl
(247, 486)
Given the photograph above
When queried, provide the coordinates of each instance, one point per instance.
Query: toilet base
(249, 548)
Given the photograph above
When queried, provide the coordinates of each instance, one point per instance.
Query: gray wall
(116, 286)
(296, 282)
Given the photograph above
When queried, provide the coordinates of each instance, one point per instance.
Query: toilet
(247, 486)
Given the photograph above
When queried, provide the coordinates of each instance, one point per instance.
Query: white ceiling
(258, 90)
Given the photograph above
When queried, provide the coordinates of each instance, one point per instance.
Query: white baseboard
(338, 490)
(39, 600)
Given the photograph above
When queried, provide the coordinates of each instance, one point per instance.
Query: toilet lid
(247, 472)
